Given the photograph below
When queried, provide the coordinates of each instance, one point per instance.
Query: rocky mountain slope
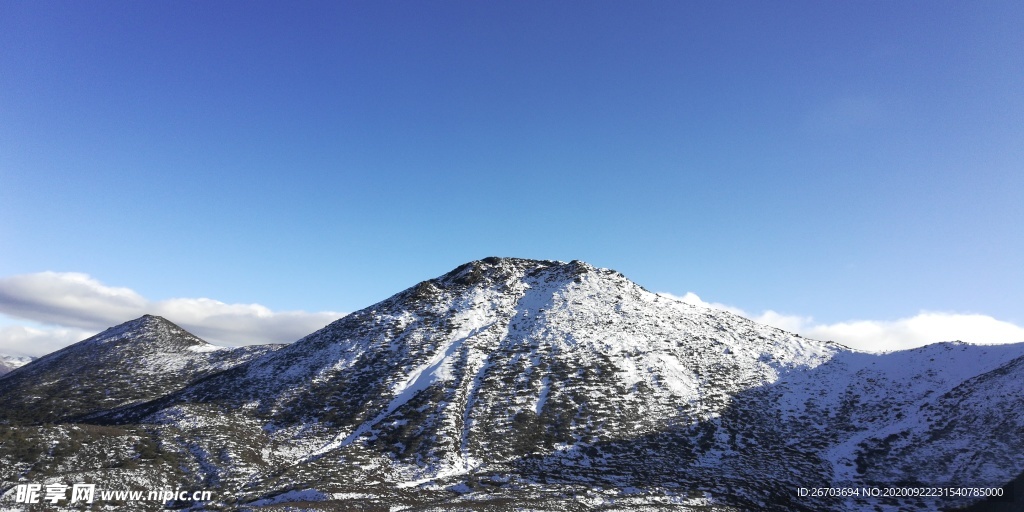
(559, 386)
(133, 362)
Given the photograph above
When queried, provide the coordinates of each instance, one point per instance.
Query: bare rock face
(545, 385)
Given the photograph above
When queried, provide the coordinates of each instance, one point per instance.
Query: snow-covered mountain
(555, 386)
(10, 363)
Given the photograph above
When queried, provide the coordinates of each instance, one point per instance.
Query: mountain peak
(530, 334)
(150, 320)
(493, 270)
(503, 275)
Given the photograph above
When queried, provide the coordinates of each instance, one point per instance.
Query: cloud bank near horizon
(883, 335)
(72, 306)
(69, 306)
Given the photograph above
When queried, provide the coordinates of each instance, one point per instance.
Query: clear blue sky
(836, 159)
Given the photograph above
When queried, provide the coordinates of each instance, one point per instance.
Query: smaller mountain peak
(147, 328)
(144, 322)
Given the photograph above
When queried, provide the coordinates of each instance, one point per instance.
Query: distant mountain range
(510, 384)
(9, 363)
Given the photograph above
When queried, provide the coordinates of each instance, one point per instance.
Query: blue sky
(834, 161)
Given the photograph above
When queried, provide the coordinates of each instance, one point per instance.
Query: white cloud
(68, 299)
(21, 340)
(924, 328)
(791, 323)
(74, 306)
(880, 335)
(240, 324)
(692, 298)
